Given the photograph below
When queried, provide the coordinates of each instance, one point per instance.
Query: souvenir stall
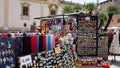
(79, 30)
(13, 45)
(17, 49)
(60, 37)
(87, 41)
(59, 52)
(59, 25)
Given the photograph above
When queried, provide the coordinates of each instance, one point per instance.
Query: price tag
(25, 60)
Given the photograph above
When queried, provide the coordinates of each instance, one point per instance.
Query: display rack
(87, 36)
(61, 57)
(63, 17)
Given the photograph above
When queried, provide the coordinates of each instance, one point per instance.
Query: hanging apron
(115, 47)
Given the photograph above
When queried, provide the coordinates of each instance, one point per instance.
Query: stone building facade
(15, 14)
(115, 22)
(104, 5)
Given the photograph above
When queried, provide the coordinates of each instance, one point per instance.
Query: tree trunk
(101, 23)
(90, 13)
(109, 20)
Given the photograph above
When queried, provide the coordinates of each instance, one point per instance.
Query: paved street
(116, 63)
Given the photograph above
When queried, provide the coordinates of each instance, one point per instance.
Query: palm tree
(77, 8)
(113, 9)
(86, 14)
(102, 17)
(68, 9)
(90, 7)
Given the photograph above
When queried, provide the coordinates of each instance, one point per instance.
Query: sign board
(25, 60)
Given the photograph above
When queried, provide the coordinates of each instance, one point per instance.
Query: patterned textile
(7, 52)
(115, 47)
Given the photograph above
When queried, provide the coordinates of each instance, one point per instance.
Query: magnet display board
(87, 36)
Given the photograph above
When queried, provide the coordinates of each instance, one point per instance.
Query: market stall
(60, 39)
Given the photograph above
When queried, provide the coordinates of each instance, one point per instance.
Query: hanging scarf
(44, 43)
(33, 44)
(43, 28)
(49, 42)
(71, 27)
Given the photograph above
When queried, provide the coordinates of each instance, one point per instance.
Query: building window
(53, 9)
(25, 11)
(53, 13)
(118, 20)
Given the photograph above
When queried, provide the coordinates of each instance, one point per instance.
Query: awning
(57, 16)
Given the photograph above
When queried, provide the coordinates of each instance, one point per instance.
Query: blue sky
(86, 1)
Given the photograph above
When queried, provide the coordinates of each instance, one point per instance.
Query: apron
(115, 47)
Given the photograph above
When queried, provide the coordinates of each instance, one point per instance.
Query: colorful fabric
(48, 23)
(47, 42)
(40, 43)
(56, 21)
(44, 43)
(49, 46)
(26, 45)
(60, 22)
(43, 28)
(53, 41)
(37, 38)
(4, 35)
(33, 44)
(71, 27)
(7, 52)
(18, 46)
(115, 47)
